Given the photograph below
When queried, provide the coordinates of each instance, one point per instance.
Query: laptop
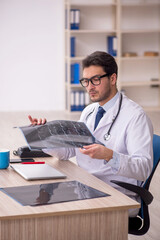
(37, 171)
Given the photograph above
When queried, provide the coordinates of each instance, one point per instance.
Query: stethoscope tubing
(108, 134)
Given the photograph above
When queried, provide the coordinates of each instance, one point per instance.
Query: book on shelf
(66, 73)
(79, 100)
(75, 73)
(66, 18)
(58, 133)
(72, 46)
(74, 19)
(112, 45)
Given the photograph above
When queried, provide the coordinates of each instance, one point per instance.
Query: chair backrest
(156, 148)
(156, 158)
(144, 208)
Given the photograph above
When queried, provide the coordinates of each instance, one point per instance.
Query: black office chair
(140, 224)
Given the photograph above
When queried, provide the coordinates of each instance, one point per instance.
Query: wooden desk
(92, 219)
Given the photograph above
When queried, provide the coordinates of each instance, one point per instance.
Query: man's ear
(113, 79)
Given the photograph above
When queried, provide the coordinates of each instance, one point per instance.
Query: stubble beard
(101, 98)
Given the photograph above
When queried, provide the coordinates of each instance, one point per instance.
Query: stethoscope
(108, 134)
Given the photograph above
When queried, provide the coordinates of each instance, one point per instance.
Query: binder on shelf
(81, 100)
(72, 46)
(66, 18)
(75, 72)
(77, 103)
(77, 19)
(77, 100)
(73, 101)
(87, 99)
(66, 72)
(112, 45)
(72, 73)
(74, 19)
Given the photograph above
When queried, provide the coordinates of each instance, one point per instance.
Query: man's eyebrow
(97, 75)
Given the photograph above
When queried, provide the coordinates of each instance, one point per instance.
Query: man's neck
(112, 95)
(111, 102)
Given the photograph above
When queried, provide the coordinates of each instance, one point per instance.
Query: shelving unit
(136, 24)
(140, 32)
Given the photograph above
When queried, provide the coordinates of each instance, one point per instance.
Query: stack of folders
(74, 19)
(112, 45)
(75, 73)
(79, 100)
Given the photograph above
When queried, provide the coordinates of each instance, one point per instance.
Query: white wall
(31, 55)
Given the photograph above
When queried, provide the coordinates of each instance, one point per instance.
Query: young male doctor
(117, 122)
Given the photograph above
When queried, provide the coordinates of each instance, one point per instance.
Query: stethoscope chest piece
(107, 137)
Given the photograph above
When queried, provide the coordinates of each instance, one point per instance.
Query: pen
(32, 162)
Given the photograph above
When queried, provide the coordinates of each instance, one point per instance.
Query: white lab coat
(131, 138)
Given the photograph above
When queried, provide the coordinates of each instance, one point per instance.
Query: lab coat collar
(111, 112)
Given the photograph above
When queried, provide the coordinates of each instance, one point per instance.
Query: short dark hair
(102, 59)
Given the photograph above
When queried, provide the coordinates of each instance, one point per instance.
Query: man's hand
(97, 151)
(35, 121)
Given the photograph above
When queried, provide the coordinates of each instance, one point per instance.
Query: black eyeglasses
(95, 80)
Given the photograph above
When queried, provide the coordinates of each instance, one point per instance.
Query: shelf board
(140, 83)
(140, 58)
(112, 31)
(71, 85)
(78, 58)
(88, 31)
(76, 86)
(140, 30)
(93, 5)
(142, 4)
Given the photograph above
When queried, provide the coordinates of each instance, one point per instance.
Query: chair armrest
(145, 195)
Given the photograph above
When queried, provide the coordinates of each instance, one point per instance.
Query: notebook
(37, 171)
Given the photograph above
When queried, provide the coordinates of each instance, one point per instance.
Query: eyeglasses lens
(95, 81)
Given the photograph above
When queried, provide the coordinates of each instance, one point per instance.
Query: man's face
(107, 88)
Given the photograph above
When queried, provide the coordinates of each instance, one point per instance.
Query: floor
(11, 136)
